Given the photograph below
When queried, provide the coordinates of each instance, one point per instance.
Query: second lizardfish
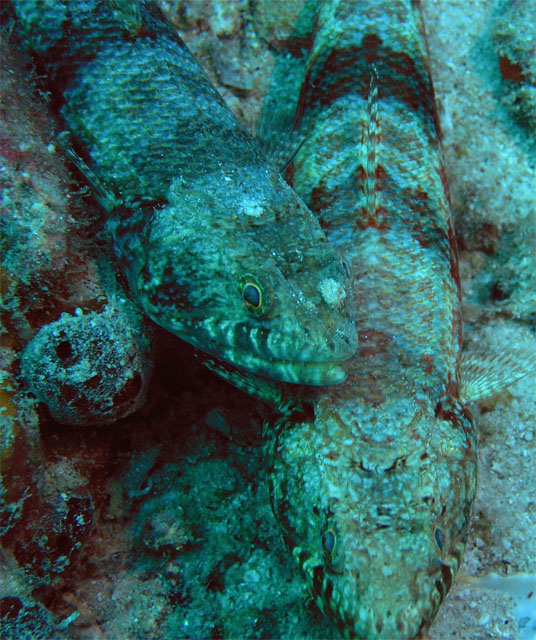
(216, 247)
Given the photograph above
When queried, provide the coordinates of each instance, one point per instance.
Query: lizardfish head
(376, 526)
(240, 268)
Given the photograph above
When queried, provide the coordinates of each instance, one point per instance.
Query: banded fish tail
(216, 246)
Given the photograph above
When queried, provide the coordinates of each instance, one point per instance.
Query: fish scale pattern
(374, 491)
(216, 246)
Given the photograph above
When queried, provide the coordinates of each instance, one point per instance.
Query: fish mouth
(309, 373)
(259, 359)
(321, 373)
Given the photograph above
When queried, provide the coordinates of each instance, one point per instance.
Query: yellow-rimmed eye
(252, 295)
(255, 294)
(329, 542)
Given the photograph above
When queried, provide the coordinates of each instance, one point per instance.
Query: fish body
(373, 485)
(216, 247)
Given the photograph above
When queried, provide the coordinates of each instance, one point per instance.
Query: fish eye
(251, 292)
(329, 542)
(439, 538)
(252, 295)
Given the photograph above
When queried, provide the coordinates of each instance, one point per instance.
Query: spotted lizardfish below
(216, 246)
(373, 481)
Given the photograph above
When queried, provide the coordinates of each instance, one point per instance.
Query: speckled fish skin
(373, 489)
(216, 246)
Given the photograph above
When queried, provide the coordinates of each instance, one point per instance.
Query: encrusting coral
(57, 298)
(86, 346)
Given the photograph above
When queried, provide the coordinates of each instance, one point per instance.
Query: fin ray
(484, 375)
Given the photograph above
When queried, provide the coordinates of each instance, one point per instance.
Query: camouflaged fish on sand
(216, 247)
(374, 492)
(373, 481)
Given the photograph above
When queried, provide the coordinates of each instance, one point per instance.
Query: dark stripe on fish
(215, 245)
(347, 70)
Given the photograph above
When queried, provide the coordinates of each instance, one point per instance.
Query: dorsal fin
(370, 143)
(105, 198)
(279, 141)
(128, 12)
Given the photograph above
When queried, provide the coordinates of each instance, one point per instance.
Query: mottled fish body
(217, 248)
(374, 492)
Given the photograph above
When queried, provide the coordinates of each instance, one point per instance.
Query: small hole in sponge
(64, 350)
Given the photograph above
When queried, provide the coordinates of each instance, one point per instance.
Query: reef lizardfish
(217, 248)
(374, 489)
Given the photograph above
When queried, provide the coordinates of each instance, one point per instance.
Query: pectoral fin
(486, 374)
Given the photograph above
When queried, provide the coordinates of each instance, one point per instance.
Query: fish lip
(317, 356)
(320, 373)
(336, 348)
(334, 374)
(327, 372)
